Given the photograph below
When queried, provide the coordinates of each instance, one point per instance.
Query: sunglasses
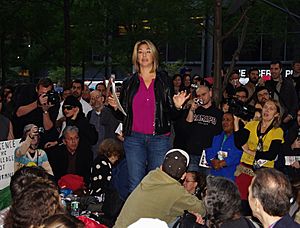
(68, 107)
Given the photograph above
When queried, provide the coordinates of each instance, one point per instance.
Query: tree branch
(237, 52)
(237, 24)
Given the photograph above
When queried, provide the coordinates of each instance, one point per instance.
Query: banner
(7, 155)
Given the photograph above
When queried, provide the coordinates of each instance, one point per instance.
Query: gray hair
(69, 129)
(222, 200)
(28, 128)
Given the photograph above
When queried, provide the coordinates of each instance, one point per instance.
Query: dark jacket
(58, 158)
(287, 96)
(164, 109)
(286, 221)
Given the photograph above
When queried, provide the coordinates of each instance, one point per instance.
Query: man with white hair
(160, 194)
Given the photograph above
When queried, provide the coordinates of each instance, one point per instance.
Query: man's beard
(253, 81)
(77, 95)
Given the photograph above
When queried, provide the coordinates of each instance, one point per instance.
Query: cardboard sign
(7, 157)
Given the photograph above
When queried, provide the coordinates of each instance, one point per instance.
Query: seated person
(195, 183)
(270, 195)
(223, 204)
(160, 194)
(21, 179)
(37, 201)
(62, 221)
(224, 156)
(72, 157)
(28, 153)
(110, 151)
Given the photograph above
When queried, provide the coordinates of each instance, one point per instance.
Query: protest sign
(7, 155)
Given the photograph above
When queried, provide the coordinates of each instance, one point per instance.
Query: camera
(198, 101)
(53, 97)
(41, 130)
(240, 109)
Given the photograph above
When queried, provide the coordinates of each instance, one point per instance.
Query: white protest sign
(7, 155)
(203, 162)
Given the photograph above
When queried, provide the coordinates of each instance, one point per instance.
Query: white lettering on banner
(7, 157)
(243, 73)
(264, 72)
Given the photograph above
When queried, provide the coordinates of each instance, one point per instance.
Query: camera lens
(41, 130)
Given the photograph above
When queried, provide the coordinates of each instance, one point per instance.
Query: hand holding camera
(194, 106)
(43, 99)
(47, 100)
(34, 131)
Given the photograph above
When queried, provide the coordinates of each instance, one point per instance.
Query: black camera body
(53, 97)
(240, 109)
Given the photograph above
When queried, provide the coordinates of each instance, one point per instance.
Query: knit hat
(73, 101)
(175, 163)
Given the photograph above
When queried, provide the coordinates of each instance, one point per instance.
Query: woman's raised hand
(180, 98)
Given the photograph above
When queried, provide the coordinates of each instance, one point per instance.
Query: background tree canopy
(103, 32)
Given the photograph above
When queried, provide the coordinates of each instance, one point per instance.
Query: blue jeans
(194, 165)
(143, 154)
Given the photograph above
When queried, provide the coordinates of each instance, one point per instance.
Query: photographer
(37, 105)
(204, 121)
(28, 153)
(238, 106)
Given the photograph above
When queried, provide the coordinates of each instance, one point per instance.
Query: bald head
(97, 99)
(273, 190)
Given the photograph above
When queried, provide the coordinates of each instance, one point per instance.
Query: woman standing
(261, 142)
(147, 100)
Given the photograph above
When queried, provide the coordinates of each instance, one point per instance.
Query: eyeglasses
(189, 181)
(68, 107)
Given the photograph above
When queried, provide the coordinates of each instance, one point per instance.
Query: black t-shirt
(27, 95)
(207, 123)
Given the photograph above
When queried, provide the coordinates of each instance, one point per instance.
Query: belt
(244, 168)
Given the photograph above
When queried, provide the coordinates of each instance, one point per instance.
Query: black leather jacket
(164, 109)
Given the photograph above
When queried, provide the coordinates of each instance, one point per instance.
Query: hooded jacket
(158, 196)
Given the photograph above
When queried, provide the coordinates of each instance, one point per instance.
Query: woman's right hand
(236, 123)
(33, 132)
(112, 102)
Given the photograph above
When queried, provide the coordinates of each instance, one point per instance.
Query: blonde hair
(153, 51)
(277, 119)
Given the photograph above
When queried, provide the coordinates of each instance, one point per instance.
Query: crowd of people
(171, 149)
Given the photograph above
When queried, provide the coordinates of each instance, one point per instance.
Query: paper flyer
(113, 86)
(203, 162)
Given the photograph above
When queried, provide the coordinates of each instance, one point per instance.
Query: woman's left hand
(180, 98)
(75, 113)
